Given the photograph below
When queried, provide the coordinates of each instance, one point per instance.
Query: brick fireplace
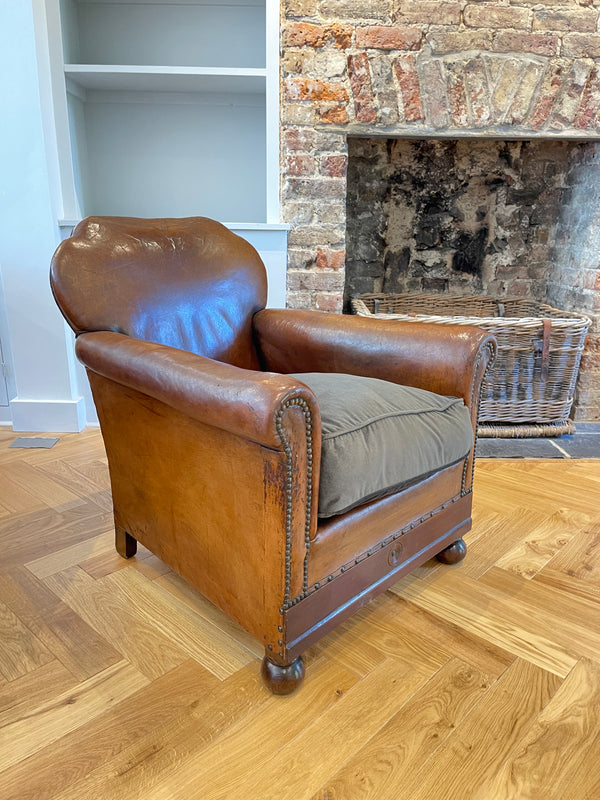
(520, 77)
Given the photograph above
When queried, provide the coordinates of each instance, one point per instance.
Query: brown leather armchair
(220, 420)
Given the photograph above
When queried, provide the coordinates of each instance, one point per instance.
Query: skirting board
(41, 416)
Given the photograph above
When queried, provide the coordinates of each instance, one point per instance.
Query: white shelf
(233, 226)
(125, 77)
(257, 226)
(195, 34)
(250, 3)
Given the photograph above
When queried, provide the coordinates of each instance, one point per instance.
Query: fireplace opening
(467, 216)
(477, 216)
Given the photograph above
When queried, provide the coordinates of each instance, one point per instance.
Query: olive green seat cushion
(379, 437)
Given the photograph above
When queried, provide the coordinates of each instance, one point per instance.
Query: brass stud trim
(300, 403)
(384, 543)
(490, 348)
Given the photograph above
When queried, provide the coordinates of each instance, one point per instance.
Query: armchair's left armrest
(243, 402)
(445, 359)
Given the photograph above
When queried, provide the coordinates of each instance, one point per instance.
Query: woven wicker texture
(539, 349)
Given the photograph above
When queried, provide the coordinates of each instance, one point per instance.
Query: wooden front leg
(125, 543)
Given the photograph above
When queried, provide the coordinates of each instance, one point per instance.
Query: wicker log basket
(529, 391)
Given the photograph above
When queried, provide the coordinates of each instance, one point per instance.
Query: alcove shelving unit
(170, 108)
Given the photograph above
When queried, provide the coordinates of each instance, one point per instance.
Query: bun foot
(454, 553)
(282, 679)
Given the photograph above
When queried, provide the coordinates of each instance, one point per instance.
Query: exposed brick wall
(416, 69)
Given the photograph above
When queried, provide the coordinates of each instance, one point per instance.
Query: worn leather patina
(214, 445)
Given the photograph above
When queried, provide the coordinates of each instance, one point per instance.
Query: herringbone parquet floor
(475, 681)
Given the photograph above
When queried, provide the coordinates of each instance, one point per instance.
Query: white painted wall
(6, 372)
(44, 379)
(48, 389)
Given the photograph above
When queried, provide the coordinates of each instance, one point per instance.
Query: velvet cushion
(379, 437)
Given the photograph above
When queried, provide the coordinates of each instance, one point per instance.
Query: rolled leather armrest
(445, 359)
(243, 402)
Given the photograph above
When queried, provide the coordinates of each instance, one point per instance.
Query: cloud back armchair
(289, 464)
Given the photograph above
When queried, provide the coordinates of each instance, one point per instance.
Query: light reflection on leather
(179, 318)
(156, 280)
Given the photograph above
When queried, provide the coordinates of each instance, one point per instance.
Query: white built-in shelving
(166, 107)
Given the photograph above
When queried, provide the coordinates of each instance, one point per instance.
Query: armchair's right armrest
(241, 401)
(447, 360)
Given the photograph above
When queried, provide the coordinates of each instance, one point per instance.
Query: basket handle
(547, 332)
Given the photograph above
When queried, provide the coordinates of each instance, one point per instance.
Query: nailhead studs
(304, 407)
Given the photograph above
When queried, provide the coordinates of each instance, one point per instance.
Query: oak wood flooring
(117, 680)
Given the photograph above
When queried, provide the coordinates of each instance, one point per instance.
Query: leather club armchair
(221, 421)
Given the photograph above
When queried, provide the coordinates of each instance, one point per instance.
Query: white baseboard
(45, 416)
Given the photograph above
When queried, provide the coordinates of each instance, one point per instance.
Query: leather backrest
(189, 283)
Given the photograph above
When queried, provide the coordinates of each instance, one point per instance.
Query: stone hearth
(402, 69)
